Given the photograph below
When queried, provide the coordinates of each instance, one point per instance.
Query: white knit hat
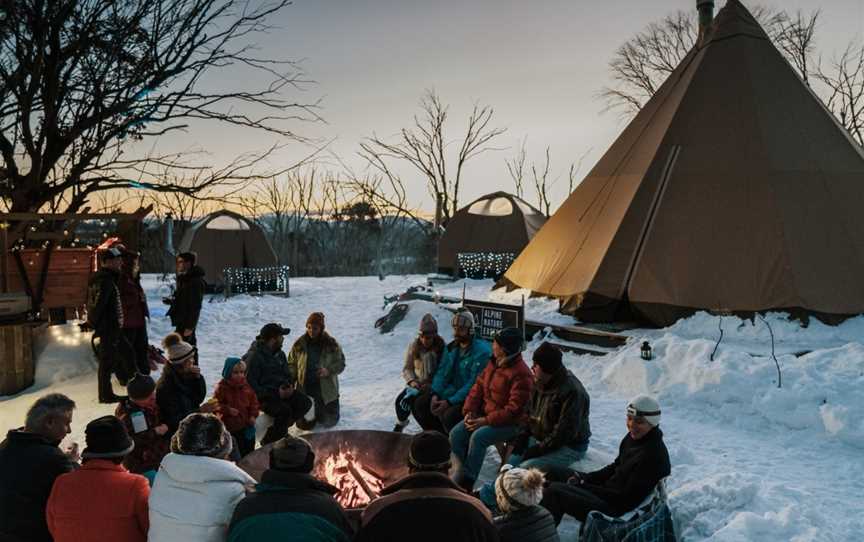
(518, 488)
(463, 318)
(177, 350)
(646, 407)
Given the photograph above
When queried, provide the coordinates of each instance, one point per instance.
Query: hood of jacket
(196, 469)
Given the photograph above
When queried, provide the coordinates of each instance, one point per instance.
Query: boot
(106, 391)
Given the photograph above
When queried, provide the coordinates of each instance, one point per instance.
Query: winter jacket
(194, 497)
(290, 502)
(531, 524)
(100, 501)
(178, 396)
(266, 370)
(150, 447)
(634, 474)
(239, 396)
(331, 358)
(104, 308)
(501, 391)
(458, 370)
(421, 363)
(557, 416)
(133, 301)
(29, 464)
(188, 296)
(426, 507)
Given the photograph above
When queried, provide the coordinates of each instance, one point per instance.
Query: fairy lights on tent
(478, 265)
(256, 280)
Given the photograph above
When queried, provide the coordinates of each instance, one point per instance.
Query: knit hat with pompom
(518, 488)
(177, 350)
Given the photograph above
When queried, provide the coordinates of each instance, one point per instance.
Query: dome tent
(227, 239)
(733, 189)
(498, 224)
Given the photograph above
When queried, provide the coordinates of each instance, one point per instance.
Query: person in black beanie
(403, 509)
(290, 499)
(557, 431)
(143, 420)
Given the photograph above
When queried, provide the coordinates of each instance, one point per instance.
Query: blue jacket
(457, 371)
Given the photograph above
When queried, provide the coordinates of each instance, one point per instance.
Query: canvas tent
(226, 239)
(497, 223)
(734, 189)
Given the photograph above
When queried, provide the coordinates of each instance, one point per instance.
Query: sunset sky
(539, 64)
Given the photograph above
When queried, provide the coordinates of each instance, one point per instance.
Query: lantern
(646, 351)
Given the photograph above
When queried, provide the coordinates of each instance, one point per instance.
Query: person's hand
(72, 452)
(194, 370)
(251, 420)
(475, 423)
(161, 429)
(188, 332)
(286, 391)
(323, 372)
(233, 411)
(414, 384)
(208, 407)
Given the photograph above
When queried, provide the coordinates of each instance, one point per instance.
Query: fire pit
(360, 463)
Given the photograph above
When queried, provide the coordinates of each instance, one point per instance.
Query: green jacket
(332, 359)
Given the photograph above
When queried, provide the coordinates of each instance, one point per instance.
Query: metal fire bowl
(385, 452)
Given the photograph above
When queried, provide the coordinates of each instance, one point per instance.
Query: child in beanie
(518, 493)
(140, 414)
(238, 404)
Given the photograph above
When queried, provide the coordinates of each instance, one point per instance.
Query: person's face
(276, 343)
(461, 333)
(187, 365)
(637, 426)
(540, 376)
(497, 351)
(427, 339)
(149, 401)
(182, 265)
(238, 373)
(57, 427)
(313, 330)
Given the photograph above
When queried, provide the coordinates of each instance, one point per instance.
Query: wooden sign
(490, 318)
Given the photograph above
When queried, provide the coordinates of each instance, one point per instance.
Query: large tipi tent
(734, 189)
(497, 223)
(226, 239)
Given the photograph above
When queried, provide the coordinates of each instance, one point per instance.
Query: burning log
(359, 477)
(356, 484)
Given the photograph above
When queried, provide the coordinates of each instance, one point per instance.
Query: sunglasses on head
(636, 413)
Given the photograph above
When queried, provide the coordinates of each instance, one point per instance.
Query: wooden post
(4, 258)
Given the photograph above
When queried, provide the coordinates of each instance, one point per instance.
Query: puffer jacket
(459, 369)
(150, 447)
(557, 415)
(421, 363)
(186, 304)
(178, 396)
(104, 309)
(194, 497)
(501, 392)
(531, 524)
(266, 371)
(332, 359)
(240, 396)
(100, 501)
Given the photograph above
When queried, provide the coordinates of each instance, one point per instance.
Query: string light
(256, 280)
(481, 265)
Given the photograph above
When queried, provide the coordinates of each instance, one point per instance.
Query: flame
(357, 484)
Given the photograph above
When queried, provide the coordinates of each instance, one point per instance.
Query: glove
(405, 403)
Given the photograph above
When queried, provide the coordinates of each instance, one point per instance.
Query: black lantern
(646, 351)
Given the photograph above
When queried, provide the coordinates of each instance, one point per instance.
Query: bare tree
(516, 168)
(641, 64)
(575, 168)
(541, 185)
(844, 80)
(424, 146)
(79, 81)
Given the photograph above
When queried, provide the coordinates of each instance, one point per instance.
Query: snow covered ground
(749, 461)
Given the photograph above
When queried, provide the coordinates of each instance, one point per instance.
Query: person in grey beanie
(421, 361)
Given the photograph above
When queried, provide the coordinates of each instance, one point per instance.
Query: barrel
(17, 367)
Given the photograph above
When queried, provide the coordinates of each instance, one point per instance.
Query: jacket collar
(102, 464)
(276, 480)
(420, 480)
(26, 437)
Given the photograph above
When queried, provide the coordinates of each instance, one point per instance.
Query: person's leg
(137, 337)
(244, 443)
(422, 410)
(460, 439)
(402, 413)
(308, 424)
(106, 392)
(480, 440)
(562, 498)
(329, 414)
(451, 416)
(562, 457)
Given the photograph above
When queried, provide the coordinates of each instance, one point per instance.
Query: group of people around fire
(163, 467)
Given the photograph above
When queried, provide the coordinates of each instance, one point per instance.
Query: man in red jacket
(101, 500)
(495, 406)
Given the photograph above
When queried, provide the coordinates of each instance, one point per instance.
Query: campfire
(357, 483)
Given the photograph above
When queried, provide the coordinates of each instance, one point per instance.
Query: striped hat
(177, 350)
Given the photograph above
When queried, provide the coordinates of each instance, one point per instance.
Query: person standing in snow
(519, 492)
(105, 316)
(181, 388)
(494, 408)
(316, 361)
(135, 311)
(642, 463)
(197, 488)
(238, 404)
(30, 461)
(421, 360)
(290, 500)
(440, 407)
(275, 385)
(140, 414)
(188, 297)
(101, 500)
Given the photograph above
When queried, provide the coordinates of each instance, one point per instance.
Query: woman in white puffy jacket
(196, 488)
